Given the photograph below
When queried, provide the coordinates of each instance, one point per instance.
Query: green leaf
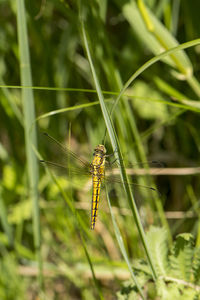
(181, 258)
(167, 291)
(20, 212)
(158, 39)
(157, 240)
(9, 177)
(148, 109)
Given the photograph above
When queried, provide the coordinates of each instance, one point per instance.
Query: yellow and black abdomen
(98, 168)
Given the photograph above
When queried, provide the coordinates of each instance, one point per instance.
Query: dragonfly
(96, 170)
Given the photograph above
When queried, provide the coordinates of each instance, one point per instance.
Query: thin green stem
(30, 131)
(118, 155)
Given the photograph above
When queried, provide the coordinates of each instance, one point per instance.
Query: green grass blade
(151, 62)
(30, 135)
(118, 155)
(144, 31)
(122, 247)
(12, 103)
(164, 39)
(63, 110)
(4, 221)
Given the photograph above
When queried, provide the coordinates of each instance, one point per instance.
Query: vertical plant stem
(30, 130)
(117, 151)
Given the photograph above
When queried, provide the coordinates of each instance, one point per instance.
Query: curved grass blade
(118, 155)
(151, 62)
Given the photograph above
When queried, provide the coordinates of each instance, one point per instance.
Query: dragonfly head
(100, 149)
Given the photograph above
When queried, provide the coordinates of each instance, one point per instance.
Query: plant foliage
(177, 266)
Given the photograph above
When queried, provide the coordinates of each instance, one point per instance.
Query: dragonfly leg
(111, 154)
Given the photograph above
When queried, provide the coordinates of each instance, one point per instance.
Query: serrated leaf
(181, 258)
(157, 240)
(128, 292)
(167, 291)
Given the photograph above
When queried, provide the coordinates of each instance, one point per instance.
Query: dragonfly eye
(100, 149)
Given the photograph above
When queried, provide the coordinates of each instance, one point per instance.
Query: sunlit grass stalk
(30, 131)
(117, 151)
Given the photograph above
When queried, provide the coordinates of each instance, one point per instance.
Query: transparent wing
(107, 179)
(151, 165)
(67, 162)
(75, 165)
(71, 159)
(115, 179)
(67, 169)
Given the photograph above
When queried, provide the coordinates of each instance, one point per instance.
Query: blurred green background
(156, 119)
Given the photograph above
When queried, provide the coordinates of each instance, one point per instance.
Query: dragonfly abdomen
(95, 200)
(97, 170)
